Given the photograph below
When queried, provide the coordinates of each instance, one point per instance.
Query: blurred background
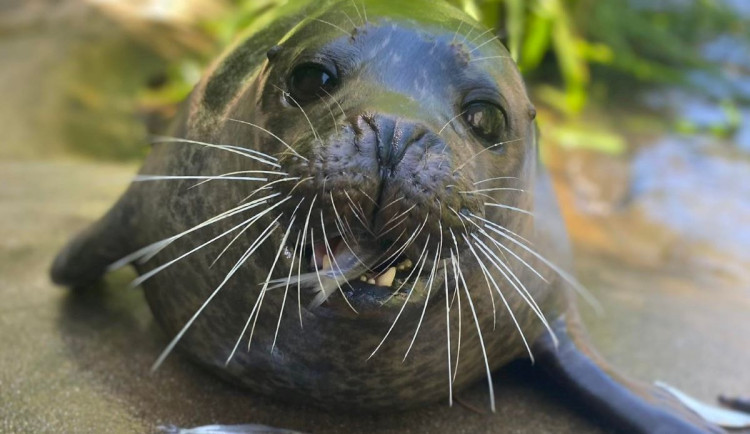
(644, 108)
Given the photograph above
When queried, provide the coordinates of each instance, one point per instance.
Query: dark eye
(308, 81)
(486, 120)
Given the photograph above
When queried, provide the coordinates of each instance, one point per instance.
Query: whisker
(488, 277)
(334, 26)
(245, 152)
(301, 181)
(455, 35)
(476, 59)
(286, 288)
(485, 150)
(299, 106)
(240, 172)
(254, 219)
(142, 278)
(570, 280)
(423, 257)
(357, 10)
(449, 122)
(406, 244)
(480, 35)
(448, 336)
(348, 17)
(502, 228)
(299, 266)
(427, 298)
(144, 178)
(512, 208)
(333, 98)
(392, 202)
(481, 340)
(333, 117)
(258, 242)
(492, 296)
(496, 178)
(272, 135)
(486, 190)
(484, 43)
(261, 296)
(332, 257)
(195, 316)
(517, 285)
(398, 216)
(456, 296)
(145, 253)
(267, 186)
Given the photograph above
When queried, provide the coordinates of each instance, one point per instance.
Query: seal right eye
(486, 120)
(308, 81)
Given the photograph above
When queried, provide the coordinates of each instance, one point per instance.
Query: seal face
(361, 234)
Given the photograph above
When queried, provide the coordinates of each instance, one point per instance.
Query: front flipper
(86, 257)
(626, 405)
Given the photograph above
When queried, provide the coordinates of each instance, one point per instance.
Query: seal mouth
(368, 275)
(388, 273)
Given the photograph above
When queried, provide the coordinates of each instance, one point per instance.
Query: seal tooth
(405, 264)
(363, 278)
(326, 262)
(386, 279)
(371, 281)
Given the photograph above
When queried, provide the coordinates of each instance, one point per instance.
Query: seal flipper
(85, 259)
(624, 404)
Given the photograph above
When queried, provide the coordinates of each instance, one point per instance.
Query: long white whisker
(332, 257)
(145, 253)
(272, 135)
(517, 285)
(261, 239)
(286, 288)
(334, 26)
(492, 297)
(299, 266)
(267, 186)
(485, 150)
(481, 340)
(144, 178)
(427, 299)
(448, 335)
(254, 219)
(495, 179)
(488, 277)
(476, 59)
(484, 43)
(261, 296)
(457, 296)
(245, 152)
(485, 190)
(288, 95)
(195, 316)
(406, 301)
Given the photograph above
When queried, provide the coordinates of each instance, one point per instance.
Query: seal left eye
(486, 120)
(308, 81)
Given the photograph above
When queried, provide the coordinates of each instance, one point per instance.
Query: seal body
(385, 159)
(349, 211)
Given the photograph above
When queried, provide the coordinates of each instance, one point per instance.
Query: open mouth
(387, 270)
(367, 273)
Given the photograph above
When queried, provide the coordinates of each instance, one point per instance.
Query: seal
(350, 211)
